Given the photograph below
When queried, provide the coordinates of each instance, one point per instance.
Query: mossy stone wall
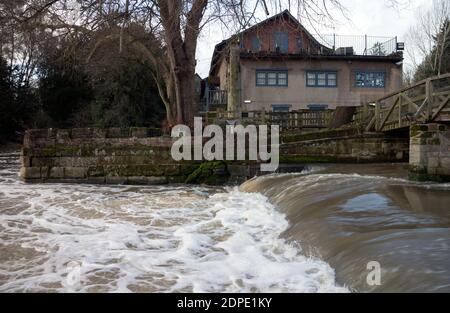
(430, 152)
(108, 156)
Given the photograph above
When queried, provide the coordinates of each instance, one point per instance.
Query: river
(309, 232)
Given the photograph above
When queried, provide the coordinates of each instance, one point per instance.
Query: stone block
(96, 180)
(43, 161)
(433, 162)
(116, 132)
(445, 161)
(238, 170)
(143, 180)
(96, 171)
(115, 180)
(75, 172)
(82, 133)
(139, 132)
(171, 169)
(56, 172)
(99, 133)
(443, 171)
(30, 172)
(63, 135)
(25, 161)
(176, 179)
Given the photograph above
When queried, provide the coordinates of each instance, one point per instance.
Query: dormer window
(281, 42)
(299, 43)
(256, 44)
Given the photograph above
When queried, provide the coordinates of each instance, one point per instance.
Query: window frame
(316, 74)
(318, 107)
(276, 108)
(366, 72)
(281, 35)
(255, 41)
(277, 73)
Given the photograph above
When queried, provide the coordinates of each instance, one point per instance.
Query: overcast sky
(371, 17)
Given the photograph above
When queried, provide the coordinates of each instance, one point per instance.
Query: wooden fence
(293, 120)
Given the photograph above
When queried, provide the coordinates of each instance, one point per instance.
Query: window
(317, 107)
(321, 79)
(276, 78)
(281, 107)
(371, 79)
(256, 44)
(299, 43)
(282, 41)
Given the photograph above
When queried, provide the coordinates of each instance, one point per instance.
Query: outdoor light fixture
(247, 101)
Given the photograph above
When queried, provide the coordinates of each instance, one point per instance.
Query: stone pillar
(234, 104)
(429, 152)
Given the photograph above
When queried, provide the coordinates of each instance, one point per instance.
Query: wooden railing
(423, 102)
(216, 98)
(293, 120)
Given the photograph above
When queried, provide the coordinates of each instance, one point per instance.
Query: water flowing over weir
(310, 232)
(88, 238)
(349, 215)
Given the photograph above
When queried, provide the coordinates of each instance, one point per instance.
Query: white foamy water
(149, 239)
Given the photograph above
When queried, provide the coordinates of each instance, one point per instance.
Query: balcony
(216, 98)
(360, 45)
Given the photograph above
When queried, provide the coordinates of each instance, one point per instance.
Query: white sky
(371, 17)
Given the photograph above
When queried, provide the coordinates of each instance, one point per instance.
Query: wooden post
(263, 117)
(429, 96)
(234, 104)
(377, 115)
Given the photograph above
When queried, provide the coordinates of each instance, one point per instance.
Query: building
(282, 67)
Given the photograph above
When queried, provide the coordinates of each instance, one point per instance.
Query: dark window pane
(370, 79)
(280, 108)
(282, 41)
(256, 44)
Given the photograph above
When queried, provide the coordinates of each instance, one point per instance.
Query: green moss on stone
(434, 141)
(302, 159)
(210, 173)
(416, 129)
(422, 177)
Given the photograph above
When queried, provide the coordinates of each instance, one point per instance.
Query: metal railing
(361, 45)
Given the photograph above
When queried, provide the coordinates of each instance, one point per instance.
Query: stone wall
(142, 156)
(111, 156)
(356, 148)
(430, 152)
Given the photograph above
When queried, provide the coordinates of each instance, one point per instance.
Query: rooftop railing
(360, 45)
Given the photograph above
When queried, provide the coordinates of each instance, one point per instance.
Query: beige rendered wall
(299, 96)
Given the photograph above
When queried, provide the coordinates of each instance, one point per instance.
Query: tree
(429, 40)
(64, 88)
(378, 49)
(126, 95)
(7, 123)
(438, 61)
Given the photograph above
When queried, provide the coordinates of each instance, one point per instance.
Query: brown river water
(309, 232)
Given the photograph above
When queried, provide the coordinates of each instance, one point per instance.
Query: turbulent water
(355, 214)
(81, 238)
(310, 232)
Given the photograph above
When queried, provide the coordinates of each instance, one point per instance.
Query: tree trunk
(181, 54)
